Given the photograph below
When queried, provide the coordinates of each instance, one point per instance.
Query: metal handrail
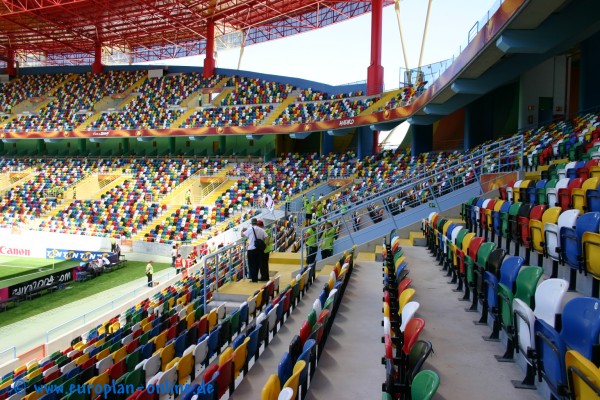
(423, 185)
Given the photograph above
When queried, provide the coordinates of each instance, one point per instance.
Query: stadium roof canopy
(67, 32)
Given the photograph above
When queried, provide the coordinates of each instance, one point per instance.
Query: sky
(340, 53)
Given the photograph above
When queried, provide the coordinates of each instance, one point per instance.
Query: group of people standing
(324, 237)
(260, 245)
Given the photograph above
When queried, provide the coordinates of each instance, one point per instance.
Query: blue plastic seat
(213, 341)
(581, 326)
(285, 368)
(238, 341)
(253, 343)
(180, 344)
(571, 238)
(551, 350)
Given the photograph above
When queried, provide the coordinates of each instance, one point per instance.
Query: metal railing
(68, 326)
(226, 265)
(427, 187)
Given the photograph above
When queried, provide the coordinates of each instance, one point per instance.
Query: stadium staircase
(108, 183)
(217, 100)
(10, 179)
(210, 197)
(28, 106)
(277, 111)
(380, 104)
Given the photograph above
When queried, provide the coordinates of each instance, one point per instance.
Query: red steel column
(10, 65)
(97, 67)
(209, 60)
(375, 70)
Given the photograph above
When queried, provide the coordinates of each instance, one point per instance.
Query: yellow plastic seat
(405, 297)
(578, 195)
(185, 367)
(591, 249)
(271, 389)
(119, 354)
(160, 340)
(583, 376)
(294, 380)
(166, 355)
(213, 319)
(239, 358)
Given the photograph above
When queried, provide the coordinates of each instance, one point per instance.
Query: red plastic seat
(411, 334)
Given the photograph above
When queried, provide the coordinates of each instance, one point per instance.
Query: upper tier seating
(255, 91)
(75, 101)
(299, 113)
(158, 103)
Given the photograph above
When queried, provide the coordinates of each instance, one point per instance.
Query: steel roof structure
(67, 32)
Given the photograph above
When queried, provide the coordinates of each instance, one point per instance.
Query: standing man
(174, 254)
(327, 241)
(255, 234)
(149, 272)
(311, 243)
(188, 197)
(264, 266)
(113, 244)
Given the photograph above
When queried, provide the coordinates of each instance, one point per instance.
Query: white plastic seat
(152, 366)
(552, 231)
(332, 293)
(200, 355)
(272, 318)
(127, 339)
(552, 193)
(52, 369)
(317, 306)
(67, 367)
(408, 312)
(286, 394)
(251, 307)
(549, 297)
(169, 377)
(524, 321)
(387, 326)
(104, 364)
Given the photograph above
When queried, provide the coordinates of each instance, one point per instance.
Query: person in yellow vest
(149, 272)
(311, 243)
(327, 241)
(188, 197)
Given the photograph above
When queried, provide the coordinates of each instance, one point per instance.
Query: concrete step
(284, 258)
(417, 238)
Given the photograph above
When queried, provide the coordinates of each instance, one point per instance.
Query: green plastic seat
(199, 312)
(312, 318)
(541, 192)
(131, 360)
(526, 284)
(481, 262)
(135, 378)
(235, 322)
(424, 385)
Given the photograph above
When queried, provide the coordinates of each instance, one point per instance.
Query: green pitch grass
(15, 269)
(75, 291)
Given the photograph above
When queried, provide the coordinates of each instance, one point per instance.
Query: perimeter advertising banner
(21, 289)
(25, 243)
(74, 255)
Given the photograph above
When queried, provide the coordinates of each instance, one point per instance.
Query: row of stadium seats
(404, 353)
(255, 91)
(297, 367)
(299, 113)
